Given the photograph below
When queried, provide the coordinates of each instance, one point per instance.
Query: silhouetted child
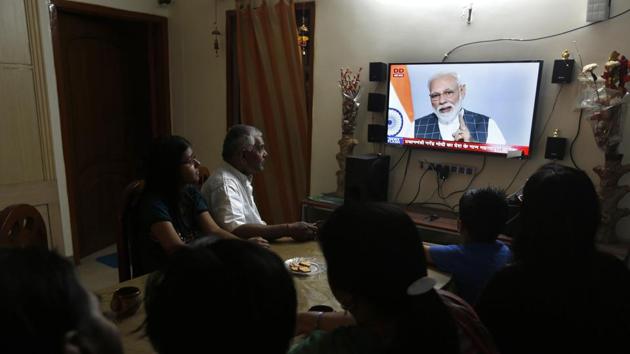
(482, 217)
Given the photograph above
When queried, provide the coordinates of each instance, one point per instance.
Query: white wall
(353, 33)
(145, 6)
(198, 77)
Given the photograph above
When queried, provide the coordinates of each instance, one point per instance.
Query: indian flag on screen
(400, 114)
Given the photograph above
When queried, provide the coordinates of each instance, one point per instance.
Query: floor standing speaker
(367, 178)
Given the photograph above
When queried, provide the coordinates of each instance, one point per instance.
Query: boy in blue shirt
(482, 217)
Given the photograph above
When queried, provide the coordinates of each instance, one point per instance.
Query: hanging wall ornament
(215, 32)
(303, 35)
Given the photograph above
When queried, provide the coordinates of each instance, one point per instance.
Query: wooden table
(311, 290)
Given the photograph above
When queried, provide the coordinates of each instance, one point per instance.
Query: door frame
(160, 108)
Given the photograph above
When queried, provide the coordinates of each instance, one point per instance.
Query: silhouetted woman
(45, 310)
(561, 295)
(377, 271)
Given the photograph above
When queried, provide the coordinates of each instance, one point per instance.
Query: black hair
(237, 137)
(374, 252)
(41, 301)
(162, 172)
(225, 294)
(560, 217)
(162, 164)
(483, 212)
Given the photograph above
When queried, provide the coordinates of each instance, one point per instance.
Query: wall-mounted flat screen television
(483, 107)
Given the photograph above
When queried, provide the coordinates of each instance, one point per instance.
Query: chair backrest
(125, 243)
(474, 338)
(22, 225)
(204, 173)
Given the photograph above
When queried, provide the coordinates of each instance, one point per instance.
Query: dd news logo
(398, 72)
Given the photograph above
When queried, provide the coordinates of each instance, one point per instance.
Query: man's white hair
(439, 75)
(239, 137)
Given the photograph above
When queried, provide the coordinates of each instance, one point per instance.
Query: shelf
(436, 225)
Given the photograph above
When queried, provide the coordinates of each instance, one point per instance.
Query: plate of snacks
(303, 266)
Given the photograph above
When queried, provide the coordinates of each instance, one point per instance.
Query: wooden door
(107, 78)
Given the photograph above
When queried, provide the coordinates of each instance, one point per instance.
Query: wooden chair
(204, 174)
(128, 260)
(21, 225)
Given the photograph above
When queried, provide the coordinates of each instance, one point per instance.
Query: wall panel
(13, 33)
(20, 151)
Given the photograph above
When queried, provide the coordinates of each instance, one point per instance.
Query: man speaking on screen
(449, 120)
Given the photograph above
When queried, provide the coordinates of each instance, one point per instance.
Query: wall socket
(452, 168)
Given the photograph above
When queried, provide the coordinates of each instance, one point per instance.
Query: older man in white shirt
(229, 190)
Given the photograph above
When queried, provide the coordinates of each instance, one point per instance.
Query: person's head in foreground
(44, 309)
(226, 296)
(447, 95)
(244, 148)
(482, 214)
(560, 216)
(377, 271)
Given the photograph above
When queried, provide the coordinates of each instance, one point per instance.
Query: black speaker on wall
(562, 71)
(367, 178)
(377, 133)
(378, 71)
(555, 148)
(376, 102)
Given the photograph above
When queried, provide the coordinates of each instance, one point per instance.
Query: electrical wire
(430, 197)
(407, 150)
(575, 139)
(538, 138)
(483, 166)
(515, 175)
(440, 184)
(553, 108)
(419, 185)
(451, 208)
(402, 183)
(446, 55)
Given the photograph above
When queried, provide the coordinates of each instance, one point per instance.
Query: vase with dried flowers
(350, 85)
(605, 100)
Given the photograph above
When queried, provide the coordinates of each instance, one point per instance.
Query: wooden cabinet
(435, 226)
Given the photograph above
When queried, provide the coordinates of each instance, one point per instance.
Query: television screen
(484, 107)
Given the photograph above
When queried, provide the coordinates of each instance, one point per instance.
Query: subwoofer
(367, 178)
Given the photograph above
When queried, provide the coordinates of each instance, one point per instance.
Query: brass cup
(126, 301)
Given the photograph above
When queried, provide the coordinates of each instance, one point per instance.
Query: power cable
(402, 183)
(446, 55)
(537, 139)
(419, 185)
(575, 139)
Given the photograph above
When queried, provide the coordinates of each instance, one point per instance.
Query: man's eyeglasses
(447, 94)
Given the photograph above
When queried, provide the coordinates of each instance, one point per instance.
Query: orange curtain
(273, 99)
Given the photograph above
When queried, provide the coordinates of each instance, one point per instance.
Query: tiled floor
(95, 275)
